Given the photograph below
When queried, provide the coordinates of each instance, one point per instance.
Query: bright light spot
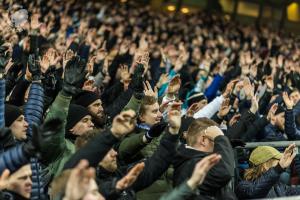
(293, 12)
(171, 8)
(185, 10)
(123, 1)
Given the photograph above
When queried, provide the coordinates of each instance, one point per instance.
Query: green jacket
(59, 150)
(179, 193)
(133, 149)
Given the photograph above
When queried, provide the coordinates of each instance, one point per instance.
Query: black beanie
(76, 113)
(196, 97)
(11, 114)
(85, 98)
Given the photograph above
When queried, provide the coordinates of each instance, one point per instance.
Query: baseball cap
(264, 153)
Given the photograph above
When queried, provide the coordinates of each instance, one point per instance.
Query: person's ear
(201, 140)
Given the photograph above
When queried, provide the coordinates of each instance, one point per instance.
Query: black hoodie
(217, 178)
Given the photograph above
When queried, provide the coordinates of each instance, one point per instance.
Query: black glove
(74, 76)
(137, 79)
(155, 131)
(34, 67)
(98, 67)
(41, 136)
(49, 80)
(6, 138)
(237, 143)
(3, 58)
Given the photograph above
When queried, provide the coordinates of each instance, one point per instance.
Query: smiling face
(19, 128)
(295, 96)
(151, 114)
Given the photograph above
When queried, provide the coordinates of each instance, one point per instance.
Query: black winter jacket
(217, 178)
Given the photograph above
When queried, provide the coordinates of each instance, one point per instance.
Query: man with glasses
(204, 137)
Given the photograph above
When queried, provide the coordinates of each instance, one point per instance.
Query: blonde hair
(196, 128)
(147, 101)
(255, 172)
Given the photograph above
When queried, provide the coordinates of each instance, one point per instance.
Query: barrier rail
(252, 145)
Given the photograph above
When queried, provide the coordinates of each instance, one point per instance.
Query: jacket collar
(143, 126)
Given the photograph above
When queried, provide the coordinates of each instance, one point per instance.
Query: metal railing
(252, 145)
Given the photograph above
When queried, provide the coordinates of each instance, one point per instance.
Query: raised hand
(174, 85)
(162, 80)
(45, 63)
(101, 53)
(193, 109)
(123, 123)
(148, 91)
(224, 109)
(288, 102)
(67, 57)
(143, 44)
(3, 58)
(125, 76)
(79, 181)
(34, 68)
(269, 82)
(4, 179)
(74, 76)
(201, 169)
(224, 65)
(272, 111)
(229, 88)
(137, 79)
(89, 85)
(34, 23)
(234, 119)
(288, 156)
(248, 88)
(130, 177)
(212, 132)
(254, 104)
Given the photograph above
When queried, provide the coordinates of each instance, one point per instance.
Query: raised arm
(160, 161)
(73, 79)
(95, 150)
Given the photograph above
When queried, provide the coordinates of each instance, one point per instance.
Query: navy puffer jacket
(266, 186)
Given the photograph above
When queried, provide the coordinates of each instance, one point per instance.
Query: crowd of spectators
(110, 100)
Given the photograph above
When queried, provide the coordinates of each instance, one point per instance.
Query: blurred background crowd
(123, 100)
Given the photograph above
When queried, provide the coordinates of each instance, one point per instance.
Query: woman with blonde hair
(262, 179)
